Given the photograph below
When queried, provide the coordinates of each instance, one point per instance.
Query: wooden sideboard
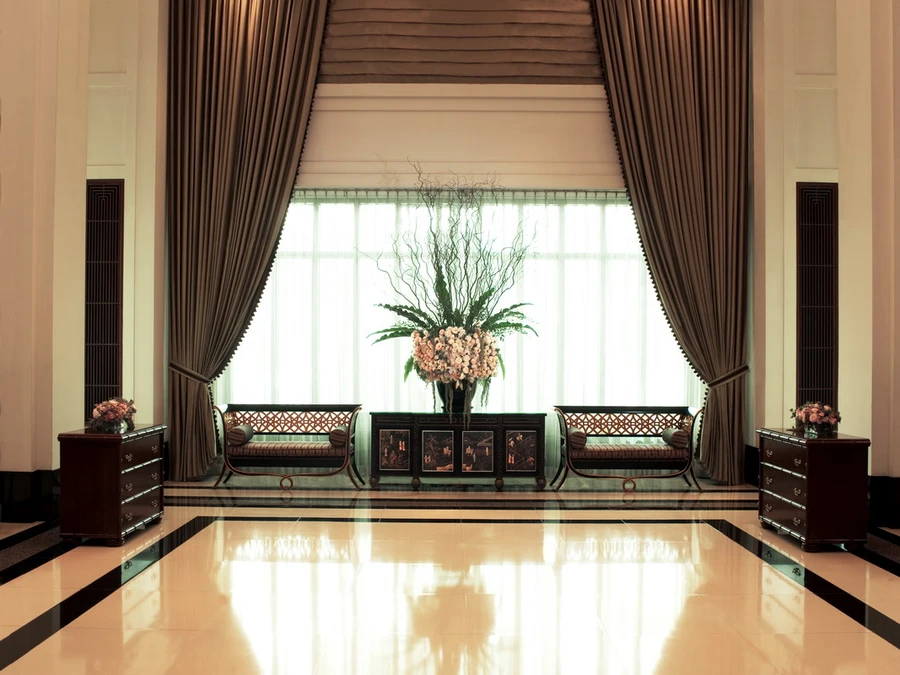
(110, 484)
(434, 445)
(814, 489)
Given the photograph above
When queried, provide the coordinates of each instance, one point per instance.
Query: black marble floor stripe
(34, 561)
(879, 560)
(548, 504)
(24, 639)
(881, 533)
(406, 487)
(879, 623)
(25, 535)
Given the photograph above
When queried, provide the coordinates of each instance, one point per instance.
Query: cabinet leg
(114, 542)
(416, 482)
(764, 525)
(854, 546)
(156, 520)
(541, 482)
(498, 483)
(373, 482)
(811, 548)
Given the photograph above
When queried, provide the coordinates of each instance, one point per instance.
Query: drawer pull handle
(768, 507)
(797, 492)
(128, 457)
(128, 487)
(154, 503)
(768, 452)
(154, 449)
(797, 461)
(796, 521)
(768, 480)
(129, 516)
(154, 476)
(796, 571)
(768, 554)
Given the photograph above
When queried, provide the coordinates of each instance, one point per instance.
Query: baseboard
(751, 465)
(29, 496)
(884, 501)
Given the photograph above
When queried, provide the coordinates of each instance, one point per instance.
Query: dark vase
(116, 427)
(457, 397)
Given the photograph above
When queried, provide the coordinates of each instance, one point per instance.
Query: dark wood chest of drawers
(815, 489)
(110, 484)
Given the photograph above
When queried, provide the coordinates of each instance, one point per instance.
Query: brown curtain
(241, 80)
(677, 74)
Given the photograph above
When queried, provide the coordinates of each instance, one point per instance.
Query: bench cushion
(677, 438)
(338, 436)
(629, 451)
(240, 434)
(286, 449)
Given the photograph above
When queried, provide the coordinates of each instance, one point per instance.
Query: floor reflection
(447, 597)
(521, 598)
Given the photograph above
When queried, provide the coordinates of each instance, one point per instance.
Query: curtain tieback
(188, 373)
(728, 377)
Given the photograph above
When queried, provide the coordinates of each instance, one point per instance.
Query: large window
(603, 339)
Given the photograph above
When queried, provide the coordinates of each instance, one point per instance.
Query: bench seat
(285, 449)
(630, 451)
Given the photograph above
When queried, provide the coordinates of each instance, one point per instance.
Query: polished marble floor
(334, 581)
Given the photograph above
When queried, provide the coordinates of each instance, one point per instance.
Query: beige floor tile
(9, 529)
(438, 597)
(20, 605)
(777, 613)
(139, 609)
(833, 653)
(75, 651)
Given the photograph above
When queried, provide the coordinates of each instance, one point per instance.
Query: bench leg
(562, 463)
(696, 482)
(564, 476)
(689, 484)
(352, 479)
(356, 471)
(222, 473)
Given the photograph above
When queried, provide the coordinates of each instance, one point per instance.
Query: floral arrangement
(454, 355)
(110, 414)
(814, 419)
(450, 284)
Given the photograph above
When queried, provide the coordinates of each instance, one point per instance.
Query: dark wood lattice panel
(480, 41)
(628, 424)
(817, 292)
(104, 235)
(288, 421)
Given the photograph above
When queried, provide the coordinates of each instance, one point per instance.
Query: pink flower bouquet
(110, 414)
(815, 419)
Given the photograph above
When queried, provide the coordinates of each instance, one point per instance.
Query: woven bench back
(280, 421)
(627, 423)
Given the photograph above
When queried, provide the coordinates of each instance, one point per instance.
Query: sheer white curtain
(603, 339)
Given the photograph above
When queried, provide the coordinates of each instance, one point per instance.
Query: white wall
(818, 117)
(126, 139)
(43, 58)
(527, 135)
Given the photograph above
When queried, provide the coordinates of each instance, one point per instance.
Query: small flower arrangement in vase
(111, 415)
(813, 419)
